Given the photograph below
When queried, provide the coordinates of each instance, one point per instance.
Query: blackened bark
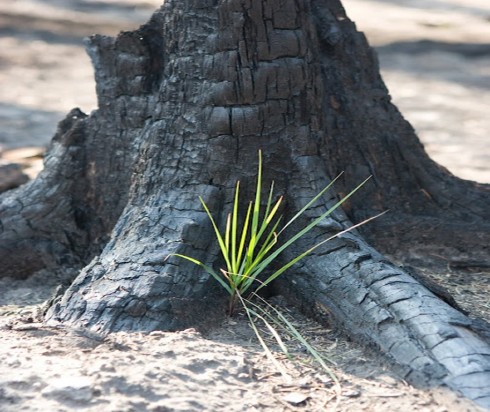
(185, 102)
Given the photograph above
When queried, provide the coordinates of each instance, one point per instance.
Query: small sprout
(249, 249)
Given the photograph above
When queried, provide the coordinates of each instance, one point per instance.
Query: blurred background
(435, 60)
(434, 57)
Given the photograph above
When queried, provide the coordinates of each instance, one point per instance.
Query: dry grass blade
(277, 318)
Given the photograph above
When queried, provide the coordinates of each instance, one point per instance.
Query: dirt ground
(435, 58)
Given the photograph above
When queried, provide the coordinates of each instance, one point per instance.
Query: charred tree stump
(185, 102)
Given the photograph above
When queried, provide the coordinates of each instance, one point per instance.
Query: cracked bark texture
(185, 102)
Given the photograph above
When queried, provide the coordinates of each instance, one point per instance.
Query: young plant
(248, 249)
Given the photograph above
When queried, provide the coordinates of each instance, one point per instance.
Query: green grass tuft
(248, 249)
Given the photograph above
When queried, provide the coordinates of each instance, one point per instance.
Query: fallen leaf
(295, 398)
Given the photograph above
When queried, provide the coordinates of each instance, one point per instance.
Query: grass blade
(224, 250)
(271, 329)
(267, 246)
(267, 351)
(234, 227)
(269, 215)
(243, 239)
(281, 321)
(299, 337)
(227, 240)
(306, 229)
(307, 206)
(208, 270)
(310, 250)
(269, 199)
(256, 212)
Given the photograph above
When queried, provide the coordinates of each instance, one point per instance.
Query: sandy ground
(55, 369)
(435, 60)
(441, 86)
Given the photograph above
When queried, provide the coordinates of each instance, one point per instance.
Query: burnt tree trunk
(185, 102)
